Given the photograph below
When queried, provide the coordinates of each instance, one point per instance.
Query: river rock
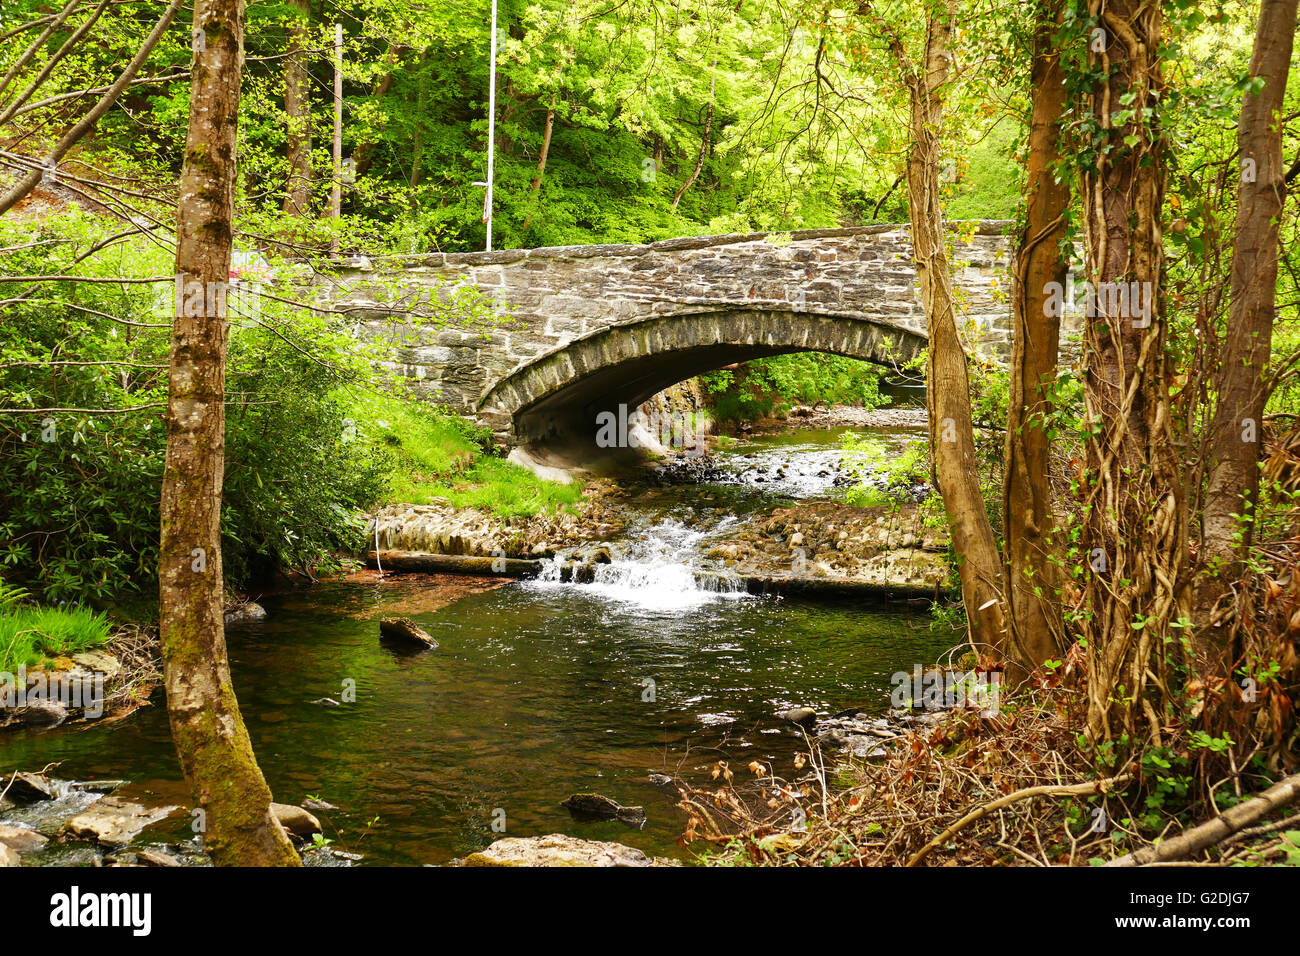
(156, 858)
(803, 716)
(595, 806)
(404, 630)
(42, 713)
(96, 786)
(245, 613)
(111, 821)
(9, 857)
(28, 788)
(296, 820)
(557, 850)
(21, 839)
(100, 662)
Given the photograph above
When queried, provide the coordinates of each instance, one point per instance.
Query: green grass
(30, 635)
(437, 457)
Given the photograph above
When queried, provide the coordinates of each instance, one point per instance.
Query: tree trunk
(211, 739)
(364, 154)
(1135, 527)
(1033, 580)
(952, 435)
(1234, 440)
(704, 142)
(545, 151)
(297, 107)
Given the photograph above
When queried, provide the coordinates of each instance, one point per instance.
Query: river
(539, 689)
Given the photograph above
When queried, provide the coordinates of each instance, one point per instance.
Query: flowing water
(539, 689)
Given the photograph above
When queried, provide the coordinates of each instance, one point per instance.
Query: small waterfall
(656, 570)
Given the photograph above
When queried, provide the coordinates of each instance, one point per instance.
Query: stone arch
(557, 396)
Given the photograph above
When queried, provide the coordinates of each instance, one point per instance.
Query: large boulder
(556, 850)
(296, 820)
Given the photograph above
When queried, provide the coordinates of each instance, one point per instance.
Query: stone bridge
(585, 329)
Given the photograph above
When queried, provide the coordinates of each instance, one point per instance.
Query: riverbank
(817, 543)
(105, 683)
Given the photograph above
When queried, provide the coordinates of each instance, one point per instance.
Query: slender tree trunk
(297, 107)
(1135, 527)
(1033, 581)
(704, 142)
(542, 155)
(211, 739)
(1240, 380)
(365, 151)
(417, 135)
(952, 436)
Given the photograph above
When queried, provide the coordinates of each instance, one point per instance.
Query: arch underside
(557, 398)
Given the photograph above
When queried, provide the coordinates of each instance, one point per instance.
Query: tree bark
(1241, 377)
(297, 108)
(1135, 526)
(542, 155)
(952, 436)
(704, 142)
(1033, 581)
(211, 739)
(365, 151)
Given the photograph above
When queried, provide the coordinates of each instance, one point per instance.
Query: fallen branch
(1282, 793)
(1075, 790)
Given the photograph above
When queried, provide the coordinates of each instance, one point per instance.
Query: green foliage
(769, 385)
(30, 634)
(79, 491)
(884, 473)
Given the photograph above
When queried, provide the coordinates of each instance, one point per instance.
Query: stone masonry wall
(549, 298)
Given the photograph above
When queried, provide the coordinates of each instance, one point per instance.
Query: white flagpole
(492, 128)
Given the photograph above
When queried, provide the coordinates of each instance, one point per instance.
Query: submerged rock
(156, 858)
(112, 822)
(557, 850)
(595, 806)
(42, 713)
(9, 857)
(404, 630)
(803, 716)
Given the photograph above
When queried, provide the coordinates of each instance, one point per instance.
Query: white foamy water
(655, 570)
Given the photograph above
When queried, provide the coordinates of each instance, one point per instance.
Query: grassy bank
(435, 457)
(30, 635)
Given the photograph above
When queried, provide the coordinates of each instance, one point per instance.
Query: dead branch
(1281, 794)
